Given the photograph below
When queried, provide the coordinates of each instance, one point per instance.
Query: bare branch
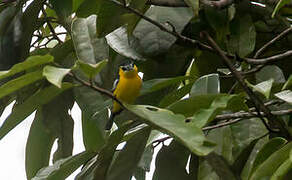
(281, 35)
(259, 105)
(250, 114)
(269, 59)
(96, 88)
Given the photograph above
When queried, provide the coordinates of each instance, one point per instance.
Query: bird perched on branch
(126, 88)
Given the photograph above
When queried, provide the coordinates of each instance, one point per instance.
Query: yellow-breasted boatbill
(126, 89)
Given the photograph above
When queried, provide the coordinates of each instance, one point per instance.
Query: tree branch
(269, 59)
(180, 3)
(96, 88)
(250, 114)
(264, 47)
(259, 105)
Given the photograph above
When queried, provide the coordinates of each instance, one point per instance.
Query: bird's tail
(110, 122)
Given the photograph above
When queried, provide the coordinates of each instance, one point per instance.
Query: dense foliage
(217, 83)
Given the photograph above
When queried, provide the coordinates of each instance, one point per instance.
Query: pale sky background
(12, 147)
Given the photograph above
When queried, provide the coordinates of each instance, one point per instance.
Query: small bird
(126, 88)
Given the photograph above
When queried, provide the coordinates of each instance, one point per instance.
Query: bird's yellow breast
(127, 90)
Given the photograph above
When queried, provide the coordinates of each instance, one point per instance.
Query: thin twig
(96, 88)
(264, 47)
(269, 59)
(51, 27)
(259, 105)
(250, 114)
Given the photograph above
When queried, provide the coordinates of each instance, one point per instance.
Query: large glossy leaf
(18, 83)
(175, 95)
(94, 117)
(55, 75)
(90, 70)
(208, 84)
(189, 106)
(62, 8)
(279, 5)
(165, 168)
(174, 125)
(29, 63)
(285, 96)
(270, 72)
(110, 17)
(128, 159)
(204, 116)
(151, 38)
(269, 166)
(288, 84)
(157, 84)
(242, 158)
(89, 48)
(267, 150)
(63, 167)
(121, 43)
(221, 166)
(263, 87)
(98, 168)
(6, 16)
(243, 36)
(38, 146)
(31, 104)
(282, 171)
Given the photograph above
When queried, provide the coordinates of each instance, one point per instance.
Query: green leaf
(157, 84)
(205, 116)
(20, 82)
(264, 87)
(171, 162)
(76, 4)
(63, 167)
(273, 162)
(55, 75)
(279, 5)
(217, 20)
(128, 159)
(208, 84)
(91, 70)
(194, 4)
(285, 96)
(282, 171)
(241, 160)
(174, 125)
(62, 8)
(121, 43)
(288, 84)
(89, 48)
(145, 161)
(221, 166)
(30, 62)
(175, 95)
(267, 150)
(99, 167)
(270, 72)
(6, 17)
(25, 109)
(243, 36)
(189, 106)
(154, 41)
(110, 17)
(38, 146)
(94, 117)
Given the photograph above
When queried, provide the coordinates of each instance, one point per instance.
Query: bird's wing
(115, 84)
